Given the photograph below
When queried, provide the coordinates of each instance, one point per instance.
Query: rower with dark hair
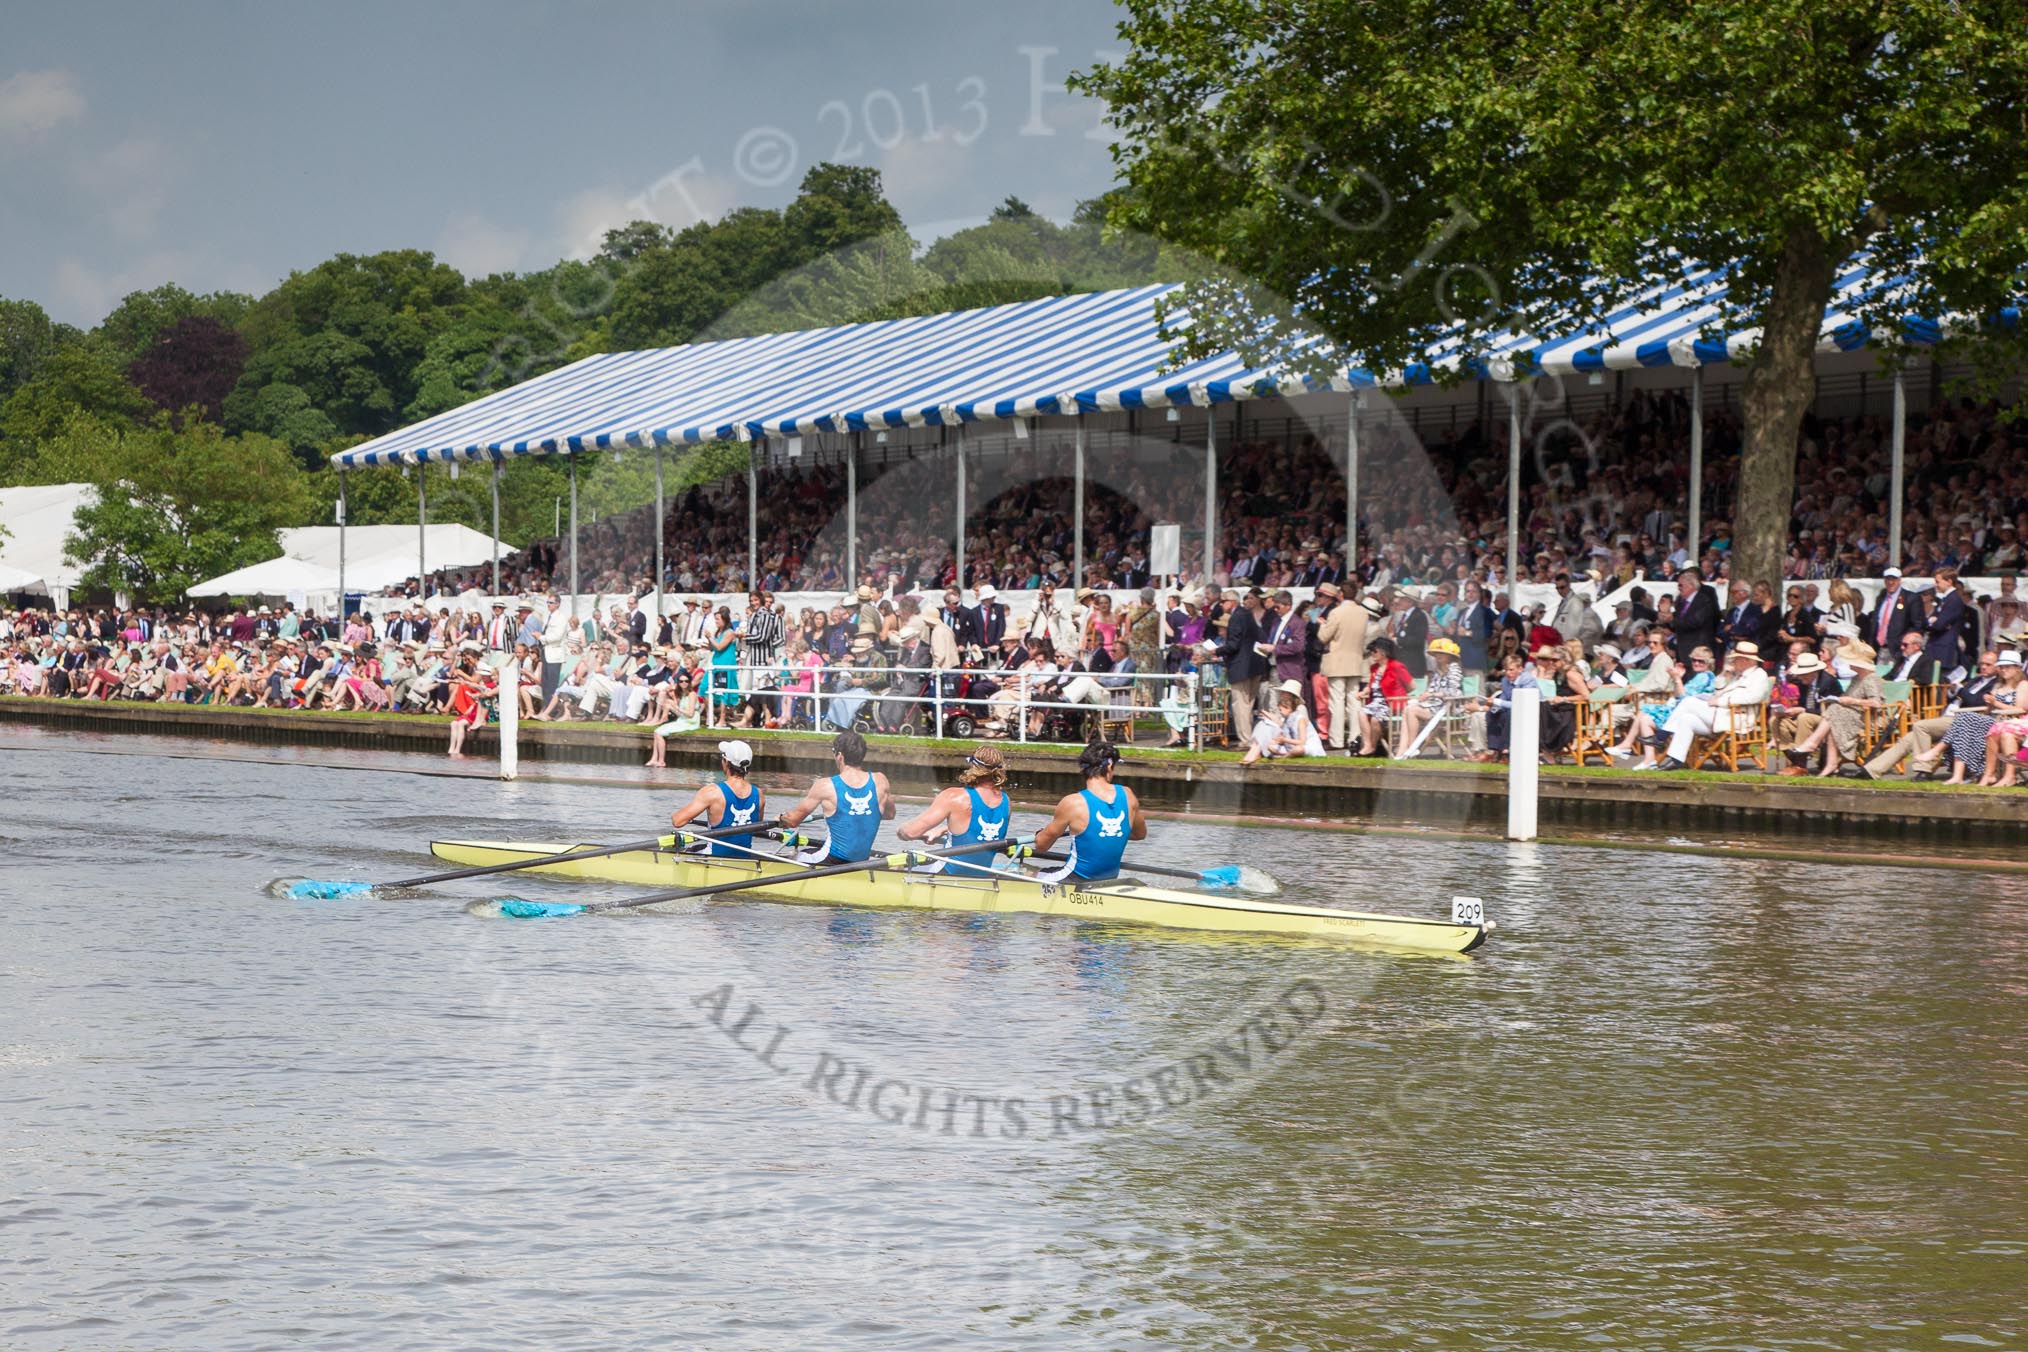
(973, 811)
(1100, 819)
(853, 803)
(732, 800)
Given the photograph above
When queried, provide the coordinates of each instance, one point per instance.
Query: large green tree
(1396, 169)
(178, 505)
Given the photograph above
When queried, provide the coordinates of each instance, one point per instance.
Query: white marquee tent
(306, 583)
(375, 556)
(35, 521)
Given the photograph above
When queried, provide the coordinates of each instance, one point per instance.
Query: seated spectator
(1288, 731)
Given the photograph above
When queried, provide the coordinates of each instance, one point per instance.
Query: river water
(1676, 1102)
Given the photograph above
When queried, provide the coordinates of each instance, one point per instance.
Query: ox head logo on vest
(991, 830)
(743, 816)
(1115, 825)
(859, 805)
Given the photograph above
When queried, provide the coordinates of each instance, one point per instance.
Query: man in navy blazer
(1898, 612)
(1945, 623)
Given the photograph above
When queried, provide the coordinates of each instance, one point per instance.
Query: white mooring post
(510, 718)
(1524, 762)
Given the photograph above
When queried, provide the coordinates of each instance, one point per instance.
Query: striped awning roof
(1098, 352)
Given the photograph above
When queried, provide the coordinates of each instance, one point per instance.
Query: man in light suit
(557, 631)
(1343, 634)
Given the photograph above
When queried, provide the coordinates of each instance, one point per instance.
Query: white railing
(944, 708)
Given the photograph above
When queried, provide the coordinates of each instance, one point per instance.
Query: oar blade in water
(318, 889)
(1239, 878)
(515, 908)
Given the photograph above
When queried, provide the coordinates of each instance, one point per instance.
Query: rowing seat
(1743, 737)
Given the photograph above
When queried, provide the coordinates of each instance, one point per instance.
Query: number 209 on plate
(1467, 911)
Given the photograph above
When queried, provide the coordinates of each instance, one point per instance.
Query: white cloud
(681, 198)
(83, 294)
(477, 247)
(131, 181)
(35, 101)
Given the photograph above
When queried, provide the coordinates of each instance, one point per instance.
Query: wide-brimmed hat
(862, 644)
(1085, 593)
(1444, 645)
(1330, 589)
(866, 593)
(524, 604)
(1373, 606)
(1858, 653)
(1546, 651)
(1806, 664)
(1290, 688)
(471, 645)
(1746, 648)
(2009, 658)
(1611, 650)
(987, 592)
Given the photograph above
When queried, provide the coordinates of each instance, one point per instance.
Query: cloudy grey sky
(220, 145)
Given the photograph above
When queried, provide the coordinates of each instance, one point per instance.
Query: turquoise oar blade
(1224, 876)
(517, 909)
(314, 889)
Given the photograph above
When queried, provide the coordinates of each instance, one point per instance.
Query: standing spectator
(557, 632)
(1896, 613)
(1245, 654)
(760, 638)
(1695, 623)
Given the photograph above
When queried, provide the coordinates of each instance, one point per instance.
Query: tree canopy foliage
(1398, 171)
(157, 402)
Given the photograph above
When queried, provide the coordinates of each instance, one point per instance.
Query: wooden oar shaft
(874, 863)
(653, 842)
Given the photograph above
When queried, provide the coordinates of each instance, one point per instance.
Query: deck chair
(1882, 726)
(1595, 724)
(1741, 736)
(1214, 715)
(1116, 718)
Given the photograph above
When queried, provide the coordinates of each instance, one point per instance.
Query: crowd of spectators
(1605, 493)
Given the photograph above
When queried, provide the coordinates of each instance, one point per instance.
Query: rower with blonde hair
(972, 811)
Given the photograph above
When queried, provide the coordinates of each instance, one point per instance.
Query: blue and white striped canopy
(1098, 352)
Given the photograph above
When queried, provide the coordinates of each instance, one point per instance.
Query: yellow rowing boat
(1123, 901)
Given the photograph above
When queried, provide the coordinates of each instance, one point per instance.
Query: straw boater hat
(1330, 589)
(1806, 664)
(1746, 649)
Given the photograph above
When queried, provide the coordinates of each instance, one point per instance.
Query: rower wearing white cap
(732, 800)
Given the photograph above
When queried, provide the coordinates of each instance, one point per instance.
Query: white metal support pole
(961, 512)
(341, 550)
(496, 528)
(661, 529)
(752, 520)
(510, 715)
(1077, 511)
(1900, 451)
(1695, 543)
(573, 535)
(1352, 494)
(852, 511)
(422, 528)
(1524, 762)
(1513, 492)
(1210, 499)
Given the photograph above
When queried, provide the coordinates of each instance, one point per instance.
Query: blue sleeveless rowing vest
(1096, 850)
(856, 821)
(988, 823)
(736, 811)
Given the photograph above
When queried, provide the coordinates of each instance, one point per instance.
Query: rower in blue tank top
(974, 811)
(1100, 819)
(852, 802)
(731, 801)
